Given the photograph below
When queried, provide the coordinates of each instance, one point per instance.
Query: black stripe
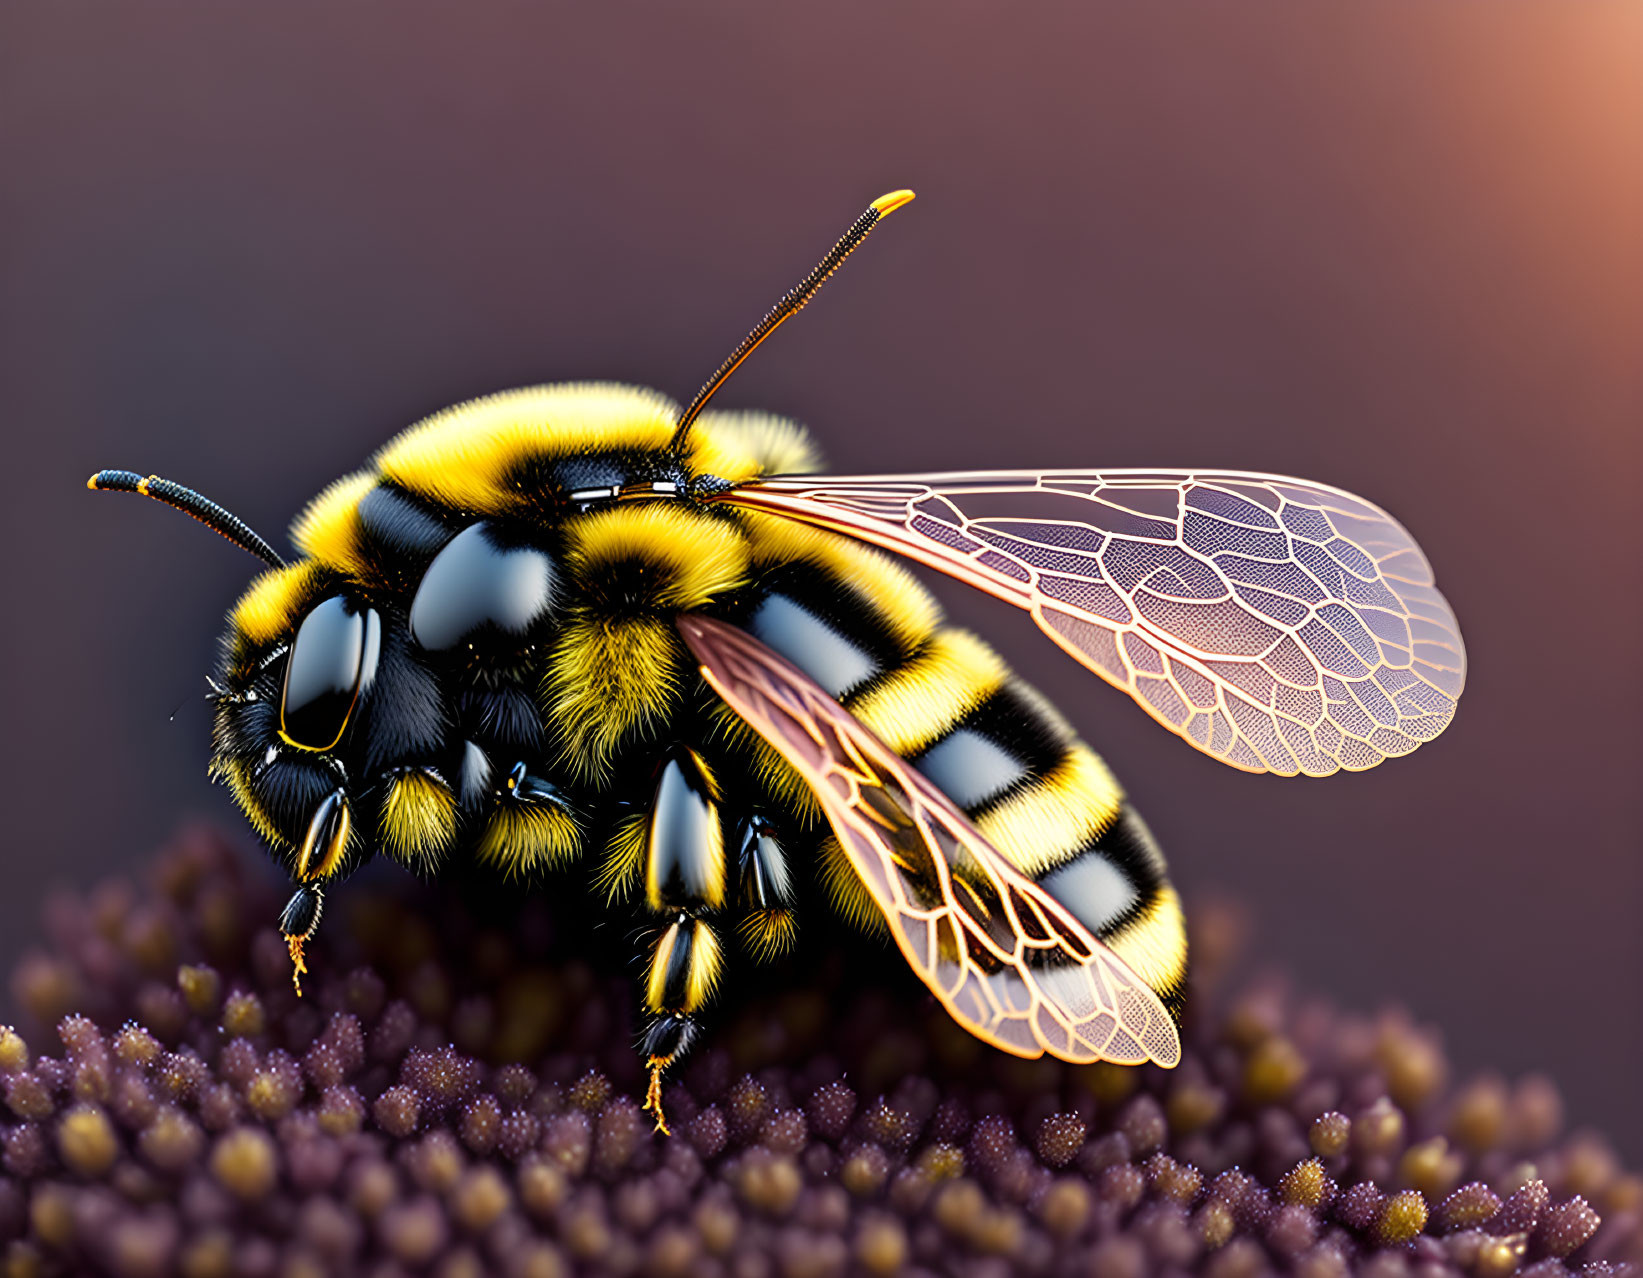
(504, 717)
(676, 977)
(823, 626)
(403, 717)
(994, 751)
(398, 527)
(289, 790)
(1111, 879)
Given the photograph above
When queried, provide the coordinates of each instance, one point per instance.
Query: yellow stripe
(709, 780)
(1060, 812)
(850, 898)
(460, 457)
(905, 607)
(741, 445)
(918, 702)
(689, 557)
(1155, 943)
(524, 838)
(267, 610)
(769, 934)
(624, 854)
(660, 958)
(705, 964)
(239, 785)
(328, 528)
(418, 819)
(607, 679)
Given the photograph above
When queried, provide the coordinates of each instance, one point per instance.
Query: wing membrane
(1007, 961)
(1279, 625)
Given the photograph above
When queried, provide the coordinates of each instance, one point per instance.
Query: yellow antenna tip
(893, 201)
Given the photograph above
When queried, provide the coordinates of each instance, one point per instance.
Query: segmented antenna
(189, 502)
(791, 304)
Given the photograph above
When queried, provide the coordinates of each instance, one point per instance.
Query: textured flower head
(457, 1095)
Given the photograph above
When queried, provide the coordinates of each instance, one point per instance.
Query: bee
(573, 625)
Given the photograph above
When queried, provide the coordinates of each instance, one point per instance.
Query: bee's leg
(685, 881)
(684, 967)
(766, 893)
(322, 851)
(299, 920)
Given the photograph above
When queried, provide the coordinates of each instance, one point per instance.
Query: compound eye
(481, 583)
(332, 661)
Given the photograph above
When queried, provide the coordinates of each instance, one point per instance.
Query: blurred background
(1396, 248)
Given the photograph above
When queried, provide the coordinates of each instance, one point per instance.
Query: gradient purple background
(1393, 247)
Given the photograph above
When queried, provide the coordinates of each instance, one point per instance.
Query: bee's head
(303, 662)
(339, 690)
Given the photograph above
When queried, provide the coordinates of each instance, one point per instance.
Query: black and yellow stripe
(946, 702)
(684, 968)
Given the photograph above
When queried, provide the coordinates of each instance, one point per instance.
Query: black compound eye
(481, 582)
(332, 661)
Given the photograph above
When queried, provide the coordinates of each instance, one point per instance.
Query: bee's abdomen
(948, 704)
(1042, 797)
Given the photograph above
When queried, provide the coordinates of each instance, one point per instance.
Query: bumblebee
(573, 625)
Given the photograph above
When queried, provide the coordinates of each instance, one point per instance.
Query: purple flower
(458, 1095)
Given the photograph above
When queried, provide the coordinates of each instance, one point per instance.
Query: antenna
(791, 304)
(189, 502)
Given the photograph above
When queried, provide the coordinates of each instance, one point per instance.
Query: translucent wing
(1279, 625)
(1007, 961)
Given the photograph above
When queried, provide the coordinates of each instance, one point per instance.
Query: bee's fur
(542, 750)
